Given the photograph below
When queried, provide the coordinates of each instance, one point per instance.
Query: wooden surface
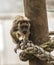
(36, 11)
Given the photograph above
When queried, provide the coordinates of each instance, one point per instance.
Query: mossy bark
(35, 10)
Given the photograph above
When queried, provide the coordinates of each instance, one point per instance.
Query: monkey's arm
(13, 32)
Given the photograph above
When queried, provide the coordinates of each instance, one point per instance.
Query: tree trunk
(35, 10)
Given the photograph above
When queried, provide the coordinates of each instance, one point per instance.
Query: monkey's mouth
(25, 32)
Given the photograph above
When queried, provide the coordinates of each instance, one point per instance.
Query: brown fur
(14, 28)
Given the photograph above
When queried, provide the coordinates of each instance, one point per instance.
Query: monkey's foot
(24, 56)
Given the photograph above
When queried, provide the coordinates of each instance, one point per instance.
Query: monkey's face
(24, 26)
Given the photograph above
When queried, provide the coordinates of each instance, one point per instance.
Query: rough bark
(35, 10)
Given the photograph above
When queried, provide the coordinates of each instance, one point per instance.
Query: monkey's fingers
(23, 56)
(15, 50)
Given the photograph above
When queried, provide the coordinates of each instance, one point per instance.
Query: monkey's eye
(26, 27)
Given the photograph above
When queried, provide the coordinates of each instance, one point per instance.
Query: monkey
(20, 30)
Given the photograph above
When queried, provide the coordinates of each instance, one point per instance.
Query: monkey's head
(24, 26)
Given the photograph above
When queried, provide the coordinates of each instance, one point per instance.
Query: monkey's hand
(15, 50)
(26, 44)
(17, 47)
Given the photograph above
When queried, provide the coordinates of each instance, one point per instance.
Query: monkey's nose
(24, 32)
